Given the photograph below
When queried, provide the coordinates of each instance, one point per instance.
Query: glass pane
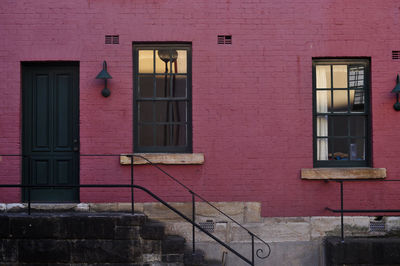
(165, 60)
(171, 135)
(357, 101)
(339, 126)
(179, 86)
(179, 111)
(339, 76)
(340, 101)
(323, 75)
(146, 86)
(322, 149)
(145, 110)
(171, 111)
(145, 135)
(357, 126)
(322, 126)
(357, 149)
(162, 111)
(341, 149)
(163, 83)
(323, 101)
(356, 77)
(145, 61)
(181, 62)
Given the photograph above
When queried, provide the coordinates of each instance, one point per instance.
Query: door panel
(50, 125)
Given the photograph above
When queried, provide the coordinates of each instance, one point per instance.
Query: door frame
(27, 68)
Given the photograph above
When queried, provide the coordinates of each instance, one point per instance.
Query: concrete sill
(342, 173)
(164, 158)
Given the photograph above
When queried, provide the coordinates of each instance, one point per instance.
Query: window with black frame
(162, 100)
(341, 113)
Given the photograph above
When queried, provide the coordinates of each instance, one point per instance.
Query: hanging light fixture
(396, 90)
(104, 75)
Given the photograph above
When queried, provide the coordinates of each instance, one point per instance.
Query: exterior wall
(252, 100)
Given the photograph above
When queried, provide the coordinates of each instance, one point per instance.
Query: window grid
(350, 119)
(175, 119)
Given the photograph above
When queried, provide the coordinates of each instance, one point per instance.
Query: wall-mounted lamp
(396, 90)
(104, 75)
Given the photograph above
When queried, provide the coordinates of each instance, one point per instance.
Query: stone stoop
(87, 238)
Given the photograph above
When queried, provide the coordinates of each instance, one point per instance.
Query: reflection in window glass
(339, 76)
(340, 101)
(323, 75)
(146, 61)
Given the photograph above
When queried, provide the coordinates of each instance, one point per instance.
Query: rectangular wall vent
(112, 39)
(377, 226)
(208, 225)
(224, 39)
(396, 55)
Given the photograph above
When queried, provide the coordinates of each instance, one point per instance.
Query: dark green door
(50, 134)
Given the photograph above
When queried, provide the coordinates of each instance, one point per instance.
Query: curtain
(323, 81)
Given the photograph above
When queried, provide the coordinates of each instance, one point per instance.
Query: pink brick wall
(252, 100)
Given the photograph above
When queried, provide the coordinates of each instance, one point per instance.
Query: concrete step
(87, 238)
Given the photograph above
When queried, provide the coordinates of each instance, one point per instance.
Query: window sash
(175, 123)
(354, 142)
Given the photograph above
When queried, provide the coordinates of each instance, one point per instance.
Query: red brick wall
(252, 100)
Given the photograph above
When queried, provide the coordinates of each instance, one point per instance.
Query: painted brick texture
(252, 100)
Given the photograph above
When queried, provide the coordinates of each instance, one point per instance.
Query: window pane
(322, 126)
(171, 135)
(357, 126)
(323, 101)
(357, 149)
(322, 149)
(339, 126)
(356, 77)
(165, 60)
(181, 62)
(145, 86)
(179, 86)
(341, 149)
(145, 135)
(171, 111)
(162, 112)
(339, 76)
(163, 83)
(357, 101)
(145, 111)
(323, 75)
(340, 101)
(145, 61)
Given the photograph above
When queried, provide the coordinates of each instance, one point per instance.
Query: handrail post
(341, 210)
(252, 249)
(132, 197)
(193, 218)
(29, 188)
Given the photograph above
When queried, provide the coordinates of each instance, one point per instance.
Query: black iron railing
(259, 252)
(342, 211)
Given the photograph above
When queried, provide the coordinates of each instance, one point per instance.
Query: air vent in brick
(209, 226)
(224, 39)
(396, 55)
(112, 39)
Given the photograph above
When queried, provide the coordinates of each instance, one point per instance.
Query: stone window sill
(164, 158)
(342, 173)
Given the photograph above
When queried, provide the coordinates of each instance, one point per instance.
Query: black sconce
(396, 90)
(104, 75)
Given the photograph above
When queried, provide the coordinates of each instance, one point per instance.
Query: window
(162, 100)
(341, 113)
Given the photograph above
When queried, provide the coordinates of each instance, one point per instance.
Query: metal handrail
(259, 252)
(342, 210)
